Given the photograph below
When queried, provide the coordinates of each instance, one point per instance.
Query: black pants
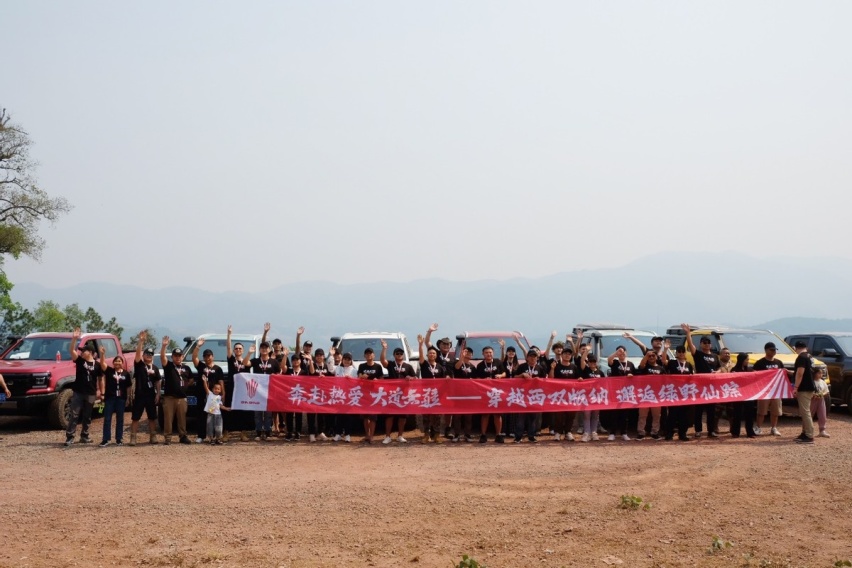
(710, 409)
(316, 423)
(339, 424)
(294, 424)
(746, 411)
(678, 419)
(616, 420)
(200, 416)
(525, 421)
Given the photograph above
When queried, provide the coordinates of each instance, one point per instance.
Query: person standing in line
(114, 383)
(294, 420)
(211, 374)
(803, 390)
(177, 377)
(399, 370)
(213, 406)
(342, 424)
(743, 409)
(819, 401)
(679, 414)
(509, 358)
(490, 368)
(589, 370)
(430, 368)
(564, 369)
(242, 420)
(85, 390)
(316, 421)
(264, 364)
(146, 394)
(447, 359)
(620, 366)
(371, 371)
(526, 421)
(706, 362)
(773, 406)
(464, 369)
(649, 366)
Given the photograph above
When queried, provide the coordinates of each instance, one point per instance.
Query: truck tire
(57, 412)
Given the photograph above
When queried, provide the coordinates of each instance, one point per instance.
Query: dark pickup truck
(835, 350)
(38, 371)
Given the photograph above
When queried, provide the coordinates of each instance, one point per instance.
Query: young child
(214, 407)
(818, 402)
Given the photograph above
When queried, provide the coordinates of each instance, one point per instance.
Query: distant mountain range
(652, 293)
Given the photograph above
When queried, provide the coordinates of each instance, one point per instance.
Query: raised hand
(502, 342)
(102, 350)
(433, 327)
(384, 344)
(165, 341)
(143, 335)
(200, 341)
(267, 326)
(252, 349)
(300, 331)
(230, 329)
(419, 340)
(553, 334)
(76, 333)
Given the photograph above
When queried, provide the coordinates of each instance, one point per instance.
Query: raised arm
(198, 345)
(420, 342)
(611, 359)
(247, 358)
(266, 327)
(140, 345)
(638, 343)
(550, 343)
(75, 341)
(102, 359)
(163, 360)
(433, 327)
(383, 358)
(502, 343)
(228, 345)
(551, 374)
(299, 333)
(689, 343)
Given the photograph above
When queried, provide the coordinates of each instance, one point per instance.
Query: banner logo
(251, 387)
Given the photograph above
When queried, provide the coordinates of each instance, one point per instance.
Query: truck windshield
(357, 345)
(40, 349)
(753, 342)
(219, 347)
(610, 342)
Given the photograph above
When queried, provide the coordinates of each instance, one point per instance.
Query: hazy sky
(243, 145)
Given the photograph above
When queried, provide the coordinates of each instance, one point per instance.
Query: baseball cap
(368, 350)
(800, 344)
(149, 351)
(398, 351)
(769, 345)
(445, 340)
(177, 352)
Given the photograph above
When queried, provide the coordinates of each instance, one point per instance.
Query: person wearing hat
(446, 358)
(773, 406)
(264, 364)
(211, 374)
(85, 388)
(742, 410)
(316, 421)
(371, 371)
(490, 368)
(430, 368)
(706, 362)
(146, 390)
(177, 377)
(531, 369)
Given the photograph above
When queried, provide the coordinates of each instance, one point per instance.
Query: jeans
(263, 422)
(590, 421)
(113, 406)
(525, 421)
(214, 426)
(79, 410)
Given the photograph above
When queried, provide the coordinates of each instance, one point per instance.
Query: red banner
(339, 395)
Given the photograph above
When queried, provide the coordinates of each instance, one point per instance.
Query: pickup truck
(38, 371)
(356, 343)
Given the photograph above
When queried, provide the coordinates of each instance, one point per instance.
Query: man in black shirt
(177, 378)
(85, 389)
(265, 364)
(241, 420)
(803, 390)
(563, 369)
(490, 368)
(527, 420)
(679, 415)
(371, 371)
(430, 368)
(649, 366)
(773, 406)
(463, 369)
(214, 375)
(398, 370)
(706, 362)
(146, 395)
(620, 366)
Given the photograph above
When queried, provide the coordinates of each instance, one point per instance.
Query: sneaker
(655, 436)
(611, 438)
(132, 439)
(347, 438)
(625, 437)
(468, 438)
(456, 439)
(85, 440)
(263, 437)
(569, 436)
(69, 440)
(500, 439)
(218, 441)
(640, 435)
(387, 440)
(757, 430)
(336, 438)
(401, 440)
(104, 444)
(557, 437)
(257, 438)
(312, 438)
(595, 437)
(322, 437)
(532, 440)
(585, 438)
(119, 443)
(824, 434)
(774, 431)
(804, 440)
(580, 430)
(517, 440)
(199, 440)
(184, 440)
(297, 436)
(483, 439)
(425, 439)
(167, 441)
(698, 434)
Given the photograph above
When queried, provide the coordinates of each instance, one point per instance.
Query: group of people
(213, 388)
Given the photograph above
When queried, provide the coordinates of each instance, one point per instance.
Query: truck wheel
(57, 412)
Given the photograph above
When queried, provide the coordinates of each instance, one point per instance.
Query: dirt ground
(329, 504)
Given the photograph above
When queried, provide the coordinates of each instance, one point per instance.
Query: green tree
(74, 317)
(49, 317)
(23, 204)
(94, 321)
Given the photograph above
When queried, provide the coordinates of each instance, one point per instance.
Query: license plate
(191, 401)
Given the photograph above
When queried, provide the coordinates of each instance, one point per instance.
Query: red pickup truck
(38, 371)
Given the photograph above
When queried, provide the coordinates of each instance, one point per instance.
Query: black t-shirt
(511, 367)
(651, 370)
(86, 381)
(465, 371)
(176, 379)
(322, 370)
(805, 362)
(374, 371)
(622, 369)
(588, 373)
(763, 364)
(235, 366)
(705, 362)
(489, 370)
(268, 367)
(213, 373)
(536, 371)
(569, 371)
(285, 364)
(146, 378)
(116, 384)
(400, 370)
(447, 362)
(675, 367)
(429, 372)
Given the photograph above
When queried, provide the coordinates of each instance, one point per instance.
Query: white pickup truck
(356, 343)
